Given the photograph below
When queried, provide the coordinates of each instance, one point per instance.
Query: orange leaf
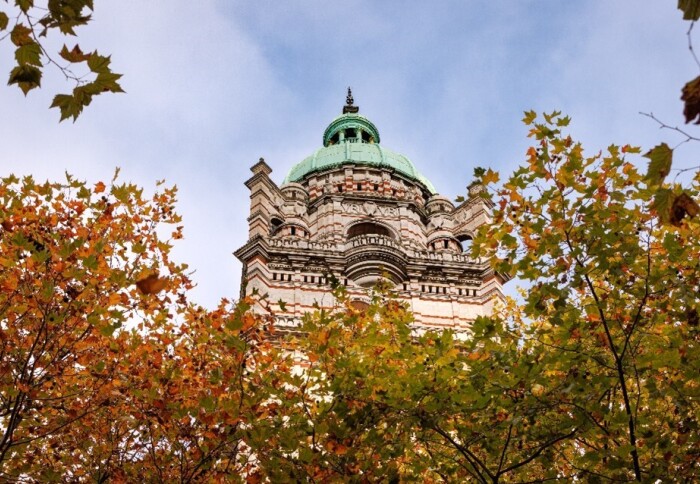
(99, 187)
(151, 284)
(248, 321)
(324, 336)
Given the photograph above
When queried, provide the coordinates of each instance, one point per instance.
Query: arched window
(275, 224)
(365, 228)
(466, 242)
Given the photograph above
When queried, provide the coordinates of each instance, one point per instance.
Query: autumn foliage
(612, 259)
(107, 372)
(110, 373)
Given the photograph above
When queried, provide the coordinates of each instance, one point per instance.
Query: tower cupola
(350, 127)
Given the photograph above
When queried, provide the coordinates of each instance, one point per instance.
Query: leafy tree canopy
(107, 372)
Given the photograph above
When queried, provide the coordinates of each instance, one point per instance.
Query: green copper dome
(344, 153)
(353, 139)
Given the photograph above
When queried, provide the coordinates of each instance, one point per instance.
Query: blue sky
(214, 85)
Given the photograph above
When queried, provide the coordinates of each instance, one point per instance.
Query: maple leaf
(661, 158)
(74, 55)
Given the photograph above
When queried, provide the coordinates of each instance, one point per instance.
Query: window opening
(466, 243)
(366, 228)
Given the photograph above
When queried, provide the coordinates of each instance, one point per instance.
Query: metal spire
(349, 104)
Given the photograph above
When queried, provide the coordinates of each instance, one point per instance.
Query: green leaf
(29, 54)
(68, 105)
(26, 77)
(530, 116)
(107, 82)
(90, 262)
(98, 63)
(661, 158)
(690, 9)
(4, 20)
(663, 200)
(83, 193)
(107, 329)
(207, 403)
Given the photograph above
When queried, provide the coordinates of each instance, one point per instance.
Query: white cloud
(212, 86)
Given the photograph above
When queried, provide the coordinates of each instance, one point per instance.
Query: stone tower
(362, 213)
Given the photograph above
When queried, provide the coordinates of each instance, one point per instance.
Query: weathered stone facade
(363, 213)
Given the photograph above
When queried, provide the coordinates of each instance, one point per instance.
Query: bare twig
(690, 43)
(662, 125)
(688, 138)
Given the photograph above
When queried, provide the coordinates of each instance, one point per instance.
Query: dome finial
(349, 103)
